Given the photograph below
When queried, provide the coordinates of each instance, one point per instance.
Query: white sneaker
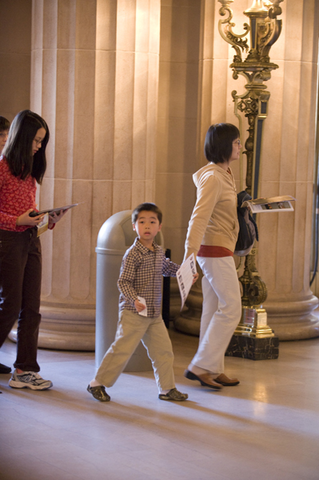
(29, 380)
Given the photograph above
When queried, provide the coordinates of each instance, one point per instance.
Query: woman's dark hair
(148, 207)
(219, 139)
(18, 148)
(4, 124)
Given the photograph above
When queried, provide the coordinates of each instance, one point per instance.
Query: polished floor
(267, 428)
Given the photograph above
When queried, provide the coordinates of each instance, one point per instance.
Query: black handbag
(248, 231)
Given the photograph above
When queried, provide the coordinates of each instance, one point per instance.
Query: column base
(185, 324)
(63, 328)
(293, 319)
(253, 348)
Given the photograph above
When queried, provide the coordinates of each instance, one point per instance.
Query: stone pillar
(178, 113)
(95, 81)
(15, 54)
(287, 167)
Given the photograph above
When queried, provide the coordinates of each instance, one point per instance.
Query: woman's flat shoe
(222, 379)
(205, 379)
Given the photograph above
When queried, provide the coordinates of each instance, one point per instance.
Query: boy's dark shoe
(4, 368)
(173, 395)
(99, 393)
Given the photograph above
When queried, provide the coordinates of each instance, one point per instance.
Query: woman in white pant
(212, 236)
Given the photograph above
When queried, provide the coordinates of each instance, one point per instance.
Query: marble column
(288, 160)
(95, 81)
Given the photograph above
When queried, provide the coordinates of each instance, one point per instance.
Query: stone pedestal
(65, 328)
(253, 348)
(293, 317)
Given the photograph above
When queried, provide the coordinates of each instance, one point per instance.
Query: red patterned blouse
(16, 197)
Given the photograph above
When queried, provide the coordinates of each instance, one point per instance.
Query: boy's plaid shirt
(141, 275)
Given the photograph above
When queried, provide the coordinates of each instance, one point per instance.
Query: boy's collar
(142, 247)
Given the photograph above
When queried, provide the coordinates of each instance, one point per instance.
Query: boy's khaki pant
(131, 329)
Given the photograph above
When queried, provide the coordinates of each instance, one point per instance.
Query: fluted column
(94, 80)
(186, 102)
(288, 160)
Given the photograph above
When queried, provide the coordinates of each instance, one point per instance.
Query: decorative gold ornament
(264, 29)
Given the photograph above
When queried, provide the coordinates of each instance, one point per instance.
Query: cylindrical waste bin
(115, 236)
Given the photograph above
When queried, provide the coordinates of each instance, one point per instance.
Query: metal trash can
(115, 236)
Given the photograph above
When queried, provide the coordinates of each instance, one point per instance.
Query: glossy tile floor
(267, 428)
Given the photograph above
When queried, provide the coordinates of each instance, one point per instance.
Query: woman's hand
(195, 277)
(25, 219)
(56, 216)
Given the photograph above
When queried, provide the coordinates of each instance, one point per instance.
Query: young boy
(4, 130)
(140, 286)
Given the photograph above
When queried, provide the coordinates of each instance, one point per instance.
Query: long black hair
(18, 148)
(4, 124)
(219, 139)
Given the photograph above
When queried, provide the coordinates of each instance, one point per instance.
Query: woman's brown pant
(20, 288)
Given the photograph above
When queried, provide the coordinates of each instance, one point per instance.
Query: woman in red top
(22, 164)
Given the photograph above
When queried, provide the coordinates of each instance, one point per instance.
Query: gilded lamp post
(264, 29)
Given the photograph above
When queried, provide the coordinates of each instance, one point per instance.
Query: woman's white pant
(220, 314)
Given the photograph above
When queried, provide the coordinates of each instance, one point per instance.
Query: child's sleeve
(169, 268)
(127, 276)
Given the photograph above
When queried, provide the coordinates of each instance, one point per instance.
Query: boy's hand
(195, 277)
(139, 306)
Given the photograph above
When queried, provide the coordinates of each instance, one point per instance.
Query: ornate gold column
(95, 81)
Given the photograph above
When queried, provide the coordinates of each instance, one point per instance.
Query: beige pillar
(177, 141)
(193, 94)
(94, 80)
(287, 167)
(15, 28)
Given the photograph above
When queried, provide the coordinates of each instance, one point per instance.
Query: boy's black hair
(219, 139)
(148, 207)
(4, 124)
(18, 149)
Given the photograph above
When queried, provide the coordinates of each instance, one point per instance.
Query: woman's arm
(208, 192)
